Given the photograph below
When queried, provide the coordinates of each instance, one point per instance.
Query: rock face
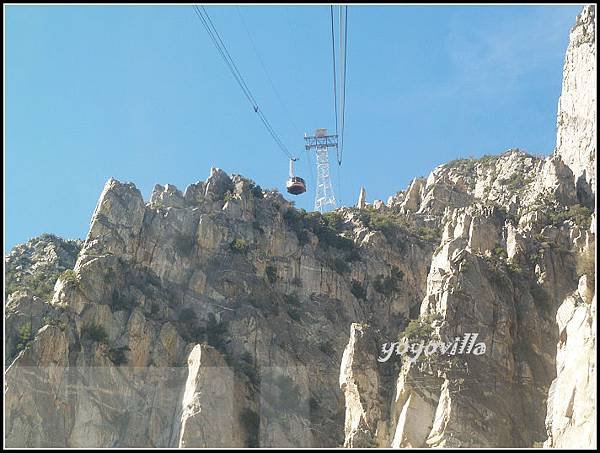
(359, 380)
(576, 121)
(570, 417)
(226, 288)
(571, 400)
(361, 198)
(221, 316)
(35, 265)
(31, 270)
(208, 407)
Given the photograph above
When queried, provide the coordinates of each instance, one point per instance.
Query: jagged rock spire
(361, 198)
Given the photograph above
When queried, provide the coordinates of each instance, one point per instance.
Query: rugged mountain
(31, 270)
(36, 265)
(571, 401)
(576, 122)
(223, 316)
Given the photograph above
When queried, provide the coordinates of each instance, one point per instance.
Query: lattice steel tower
(324, 197)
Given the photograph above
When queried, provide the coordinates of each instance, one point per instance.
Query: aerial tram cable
(266, 71)
(212, 32)
(341, 62)
(343, 95)
(338, 149)
(339, 103)
(298, 70)
(222, 48)
(295, 185)
(335, 103)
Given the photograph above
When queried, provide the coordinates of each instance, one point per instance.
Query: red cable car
(295, 184)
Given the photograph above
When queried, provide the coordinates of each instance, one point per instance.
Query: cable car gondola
(295, 184)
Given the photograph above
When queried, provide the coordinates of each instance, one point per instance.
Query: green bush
(417, 330)
(421, 329)
(516, 181)
(330, 238)
(94, 332)
(434, 317)
(295, 219)
(466, 165)
(239, 246)
(500, 252)
(326, 227)
(487, 159)
(228, 196)
(514, 268)
(380, 221)
(391, 223)
(579, 214)
(70, 277)
(52, 320)
(24, 336)
(428, 234)
(38, 283)
(333, 220)
(256, 191)
(358, 290)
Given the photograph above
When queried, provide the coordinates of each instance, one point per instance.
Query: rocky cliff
(223, 316)
(31, 270)
(572, 397)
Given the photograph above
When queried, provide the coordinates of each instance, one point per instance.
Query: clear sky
(141, 94)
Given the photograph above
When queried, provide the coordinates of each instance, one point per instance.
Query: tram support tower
(321, 142)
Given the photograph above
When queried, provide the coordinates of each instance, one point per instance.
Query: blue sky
(141, 94)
